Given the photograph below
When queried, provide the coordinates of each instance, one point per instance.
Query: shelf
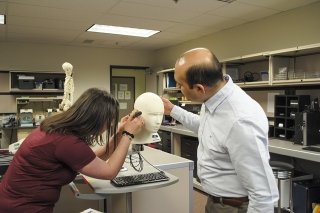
(42, 91)
(253, 84)
(47, 98)
(285, 126)
(172, 89)
(19, 127)
(166, 70)
(296, 66)
(189, 102)
(36, 82)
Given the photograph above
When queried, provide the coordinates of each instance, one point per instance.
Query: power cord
(136, 162)
(150, 163)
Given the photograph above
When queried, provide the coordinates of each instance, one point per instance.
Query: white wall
(91, 65)
(287, 29)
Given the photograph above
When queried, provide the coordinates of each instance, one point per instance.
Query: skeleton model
(68, 87)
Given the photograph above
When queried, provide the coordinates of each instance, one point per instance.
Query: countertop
(276, 146)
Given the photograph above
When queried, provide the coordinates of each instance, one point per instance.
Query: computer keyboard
(140, 179)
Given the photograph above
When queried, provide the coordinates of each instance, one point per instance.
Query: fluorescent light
(129, 31)
(2, 19)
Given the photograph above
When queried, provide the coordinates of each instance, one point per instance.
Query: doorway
(127, 83)
(123, 89)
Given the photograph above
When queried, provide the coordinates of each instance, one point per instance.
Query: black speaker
(307, 128)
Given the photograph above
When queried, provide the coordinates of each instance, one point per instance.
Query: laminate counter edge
(276, 146)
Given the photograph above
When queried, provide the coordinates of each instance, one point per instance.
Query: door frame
(125, 67)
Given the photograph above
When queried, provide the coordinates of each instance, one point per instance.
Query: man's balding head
(199, 66)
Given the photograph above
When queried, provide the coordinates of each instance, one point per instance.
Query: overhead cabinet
(297, 66)
(248, 70)
(36, 82)
(287, 67)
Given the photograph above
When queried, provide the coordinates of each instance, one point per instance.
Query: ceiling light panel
(2, 19)
(122, 30)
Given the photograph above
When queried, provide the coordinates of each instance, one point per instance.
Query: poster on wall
(127, 95)
(120, 95)
(123, 105)
(123, 87)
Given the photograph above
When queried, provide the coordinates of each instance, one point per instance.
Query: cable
(136, 165)
(150, 163)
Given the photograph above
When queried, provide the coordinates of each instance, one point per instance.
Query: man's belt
(231, 201)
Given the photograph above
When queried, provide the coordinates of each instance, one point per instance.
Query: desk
(177, 197)
(105, 188)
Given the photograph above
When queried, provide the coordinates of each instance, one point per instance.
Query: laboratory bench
(279, 150)
(277, 146)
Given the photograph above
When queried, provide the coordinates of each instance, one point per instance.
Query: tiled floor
(199, 201)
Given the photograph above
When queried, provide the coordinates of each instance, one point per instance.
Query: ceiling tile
(182, 5)
(66, 21)
(150, 12)
(243, 11)
(48, 23)
(127, 21)
(78, 5)
(279, 4)
(2, 8)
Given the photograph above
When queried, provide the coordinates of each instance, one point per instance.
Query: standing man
(233, 155)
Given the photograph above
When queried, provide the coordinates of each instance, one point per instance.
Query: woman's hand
(133, 124)
(122, 123)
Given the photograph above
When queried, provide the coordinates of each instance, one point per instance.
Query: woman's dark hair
(207, 73)
(94, 110)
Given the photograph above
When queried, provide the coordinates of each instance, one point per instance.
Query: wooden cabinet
(285, 110)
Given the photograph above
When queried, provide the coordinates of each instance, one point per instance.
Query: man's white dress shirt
(233, 155)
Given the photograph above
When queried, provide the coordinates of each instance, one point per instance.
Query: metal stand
(129, 202)
(283, 171)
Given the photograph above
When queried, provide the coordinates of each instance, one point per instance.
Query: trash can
(283, 172)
